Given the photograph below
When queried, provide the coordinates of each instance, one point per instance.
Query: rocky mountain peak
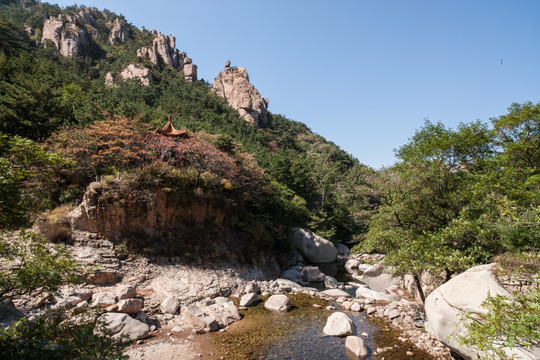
(233, 86)
(66, 35)
(163, 51)
(119, 32)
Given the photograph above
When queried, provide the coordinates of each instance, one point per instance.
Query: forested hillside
(62, 125)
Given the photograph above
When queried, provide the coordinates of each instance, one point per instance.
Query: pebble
(330, 308)
(409, 353)
(316, 306)
(365, 334)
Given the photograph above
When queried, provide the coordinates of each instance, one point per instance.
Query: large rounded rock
(278, 303)
(313, 248)
(465, 293)
(122, 326)
(195, 317)
(130, 306)
(378, 277)
(312, 274)
(250, 299)
(335, 293)
(355, 348)
(170, 305)
(366, 293)
(339, 324)
(343, 250)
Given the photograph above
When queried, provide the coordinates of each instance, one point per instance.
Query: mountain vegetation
(455, 197)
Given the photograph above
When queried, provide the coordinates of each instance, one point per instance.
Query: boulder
(356, 307)
(170, 305)
(67, 301)
(287, 285)
(130, 306)
(292, 274)
(125, 292)
(312, 274)
(335, 293)
(250, 299)
(102, 300)
(233, 86)
(355, 348)
(252, 288)
(313, 248)
(339, 324)
(8, 313)
(352, 265)
(221, 309)
(379, 278)
(122, 325)
(197, 319)
(278, 303)
(465, 293)
(330, 282)
(366, 293)
(343, 250)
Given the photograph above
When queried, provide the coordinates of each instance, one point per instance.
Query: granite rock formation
(119, 32)
(68, 37)
(233, 86)
(163, 51)
(139, 72)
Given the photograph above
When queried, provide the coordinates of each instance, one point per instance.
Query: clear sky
(363, 74)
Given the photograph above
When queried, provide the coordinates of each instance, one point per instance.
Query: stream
(298, 334)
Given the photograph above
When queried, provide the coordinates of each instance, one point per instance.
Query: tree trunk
(419, 286)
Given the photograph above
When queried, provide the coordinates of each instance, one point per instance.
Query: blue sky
(363, 74)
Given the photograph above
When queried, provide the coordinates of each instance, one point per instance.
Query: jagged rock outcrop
(190, 70)
(135, 72)
(233, 86)
(109, 80)
(163, 51)
(119, 32)
(66, 35)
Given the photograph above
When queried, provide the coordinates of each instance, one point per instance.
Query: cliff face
(154, 214)
(233, 86)
(68, 37)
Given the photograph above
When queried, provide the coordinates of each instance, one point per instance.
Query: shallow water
(309, 342)
(265, 335)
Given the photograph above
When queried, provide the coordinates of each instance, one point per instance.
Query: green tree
(35, 267)
(27, 175)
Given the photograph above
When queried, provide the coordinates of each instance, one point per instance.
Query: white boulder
(366, 293)
(355, 348)
(465, 293)
(130, 306)
(313, 248)
(339, 324)
(335, 293)
(170, 305)
(312, 274)
(378, 277)
(120, 325)
(278, 303)
(250, 299)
